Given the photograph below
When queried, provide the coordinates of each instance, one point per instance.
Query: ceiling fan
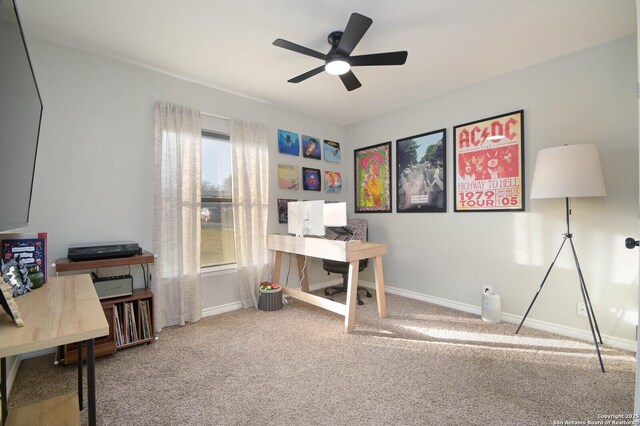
(339, 60)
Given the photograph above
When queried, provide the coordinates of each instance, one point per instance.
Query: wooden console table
(141, 299)
(65, 310)
(342, 251)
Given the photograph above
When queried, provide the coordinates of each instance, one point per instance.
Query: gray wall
(586, 97)
(94, 179)
(94, 173)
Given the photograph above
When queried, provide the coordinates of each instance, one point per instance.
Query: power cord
(304, 268)
(286, 283)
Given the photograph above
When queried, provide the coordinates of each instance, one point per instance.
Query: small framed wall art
(288, 142)
(311, 147)
(311, 179)
(288, 176)
(283, 210)
(331, 151)
(332, 181)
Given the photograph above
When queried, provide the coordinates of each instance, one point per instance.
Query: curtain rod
(215, 115)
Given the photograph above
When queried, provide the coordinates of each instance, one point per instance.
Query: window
(217, 242)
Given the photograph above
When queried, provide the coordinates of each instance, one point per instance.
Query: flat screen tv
(20, 117)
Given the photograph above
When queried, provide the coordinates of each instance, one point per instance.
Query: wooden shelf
(109, 344)
(61, 410)
(66, 265)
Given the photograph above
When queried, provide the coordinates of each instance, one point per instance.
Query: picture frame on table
(372, 182)
(488, 157)
(421, 173)
(14, 282)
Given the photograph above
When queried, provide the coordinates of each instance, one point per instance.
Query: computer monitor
(306, 218)
(334, 214)
(311, 217)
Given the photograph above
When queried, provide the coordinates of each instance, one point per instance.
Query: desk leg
(91, 381)
(277, 263)
(80, 379)
(305, 280)
(3, 390)
(382, 304)
(352, 288)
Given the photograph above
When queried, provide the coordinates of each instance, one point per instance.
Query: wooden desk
(342, 251)
(65, 310)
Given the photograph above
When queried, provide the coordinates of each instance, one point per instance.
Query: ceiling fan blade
(356, 27)
(389, 58)
(350, 81)
(299, 49)
(306, 75)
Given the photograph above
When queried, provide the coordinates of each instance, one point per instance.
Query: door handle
(631, 243)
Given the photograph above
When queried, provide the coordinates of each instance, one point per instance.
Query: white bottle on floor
(491, 307)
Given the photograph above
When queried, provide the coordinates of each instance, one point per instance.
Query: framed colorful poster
(311, 147)
(332, 181)
(331, 151)
(421, 172)
(283, 210)
(310, 179)
(372, 167)
(288, 177)
(288, 143)
(489, 164)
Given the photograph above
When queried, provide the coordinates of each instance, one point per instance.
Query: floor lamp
(569, 171)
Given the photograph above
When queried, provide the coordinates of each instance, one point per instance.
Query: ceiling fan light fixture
(337, 67)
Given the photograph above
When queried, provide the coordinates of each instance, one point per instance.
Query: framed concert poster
(372, 167)
(488, 160)
(421, 173)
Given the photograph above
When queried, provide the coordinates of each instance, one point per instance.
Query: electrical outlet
(487, 289)
(582, 310)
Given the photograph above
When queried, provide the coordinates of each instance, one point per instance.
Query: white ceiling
(226, 44)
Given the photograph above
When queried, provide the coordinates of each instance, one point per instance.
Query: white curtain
(250, 156)
(176, 214)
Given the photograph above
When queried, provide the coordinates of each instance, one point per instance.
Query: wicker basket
(270, 300)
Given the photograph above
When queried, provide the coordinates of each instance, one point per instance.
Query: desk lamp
(564, 172)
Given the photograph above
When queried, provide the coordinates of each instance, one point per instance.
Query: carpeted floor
(423, 365)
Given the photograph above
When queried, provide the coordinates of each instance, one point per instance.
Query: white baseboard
(217, 310)
(616, 342)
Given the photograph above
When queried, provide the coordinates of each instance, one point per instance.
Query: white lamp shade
(568, 171)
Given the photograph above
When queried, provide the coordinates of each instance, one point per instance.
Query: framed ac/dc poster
(372, 167)
(421, 173)
(489, 164)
